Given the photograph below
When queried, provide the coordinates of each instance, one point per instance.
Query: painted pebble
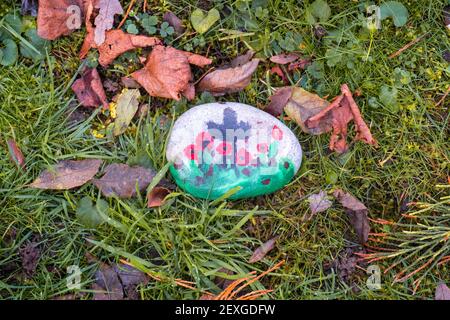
(216, 147)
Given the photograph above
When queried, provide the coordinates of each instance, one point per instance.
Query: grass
(193, 239)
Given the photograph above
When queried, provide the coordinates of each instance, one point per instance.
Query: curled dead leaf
(167, 73)
(121, 180)
(228, 80)
(67, 174)
(357, 213)
(263, 250)
(155, 198)
(59, 17)
(89, 89)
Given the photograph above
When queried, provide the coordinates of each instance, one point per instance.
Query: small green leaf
(201, 22)
(39, 46)
(396, 11)
(131, 28)
(127, 105)
(389, 98)
(88, 214)
(320, 10)
(9, 52)
(14, 22)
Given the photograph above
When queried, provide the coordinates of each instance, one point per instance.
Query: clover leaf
(9, 52)
(396, 11)
(166, 29)
(35, 48)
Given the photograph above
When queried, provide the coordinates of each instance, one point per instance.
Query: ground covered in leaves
(379, 202)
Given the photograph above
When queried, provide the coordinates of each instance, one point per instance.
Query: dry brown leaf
(442, 292)
(59, 17)
(303, 105)
(263, 250)
(167, 73)
(278, 101)
(357, 213)
(155, 198)
(15, 153)
(105, 18)
(30, 255)
(175, 22)
(116, 41)
(341, 111)
(67, 174)
(228, 80)
(89, 89)
(117, 282)
(284, 58)
(318, 202)
(121, 180)
(316, 115)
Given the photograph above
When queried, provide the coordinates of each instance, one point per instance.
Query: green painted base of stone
(255, 182)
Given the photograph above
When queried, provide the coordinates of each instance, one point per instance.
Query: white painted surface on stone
(194, 121)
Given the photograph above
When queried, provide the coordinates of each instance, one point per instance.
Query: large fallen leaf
(122, 180)
(303, 105)
(175, 22)
(89, 89)
(116, 41)
(299, 105)
(59, 17)
(318, 202)
(316, 115)
(202, 22)
(228, 80)
(263, 250)
(105, 18)
(442, 292)
(16, 154)
(67, 174)
(127, 105)
(357, 213)
(88, 213)
(167, 73)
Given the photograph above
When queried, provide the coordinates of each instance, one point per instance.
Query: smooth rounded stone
(216, 147)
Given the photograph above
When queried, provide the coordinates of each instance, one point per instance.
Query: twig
(145, 6)
(443, 97)
(130, 6)
(410, 44)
